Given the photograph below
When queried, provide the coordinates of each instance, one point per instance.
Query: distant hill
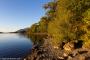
(21, 30)
(1, 32)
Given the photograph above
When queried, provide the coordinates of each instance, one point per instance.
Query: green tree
(43, 24)
(32, 29)
(68, 21)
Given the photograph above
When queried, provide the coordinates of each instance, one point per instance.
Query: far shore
(7, 32)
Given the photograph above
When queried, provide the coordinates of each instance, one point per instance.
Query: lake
(14, 45)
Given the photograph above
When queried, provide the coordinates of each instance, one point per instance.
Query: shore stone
(69, 46)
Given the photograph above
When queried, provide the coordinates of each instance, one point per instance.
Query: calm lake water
(14, 46)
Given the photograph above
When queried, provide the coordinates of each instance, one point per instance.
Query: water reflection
(14, 45)
(37, 39)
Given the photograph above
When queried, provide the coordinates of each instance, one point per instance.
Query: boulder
(68, 47)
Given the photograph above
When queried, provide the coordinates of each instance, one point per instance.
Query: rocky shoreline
(67, 53)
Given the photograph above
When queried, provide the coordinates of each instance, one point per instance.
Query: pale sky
(18, 14)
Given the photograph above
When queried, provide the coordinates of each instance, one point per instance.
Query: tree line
(65, 20)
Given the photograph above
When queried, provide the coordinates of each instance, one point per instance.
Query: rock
(81, 57)
(69, 46)
(56, 47)
(69, 58)
(68, 53)
(65, 54)
(74, 53)
(61, 58)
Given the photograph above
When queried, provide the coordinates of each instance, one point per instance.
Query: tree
(43, 24)
(50, 5)
(68, 21)
(33, 29)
